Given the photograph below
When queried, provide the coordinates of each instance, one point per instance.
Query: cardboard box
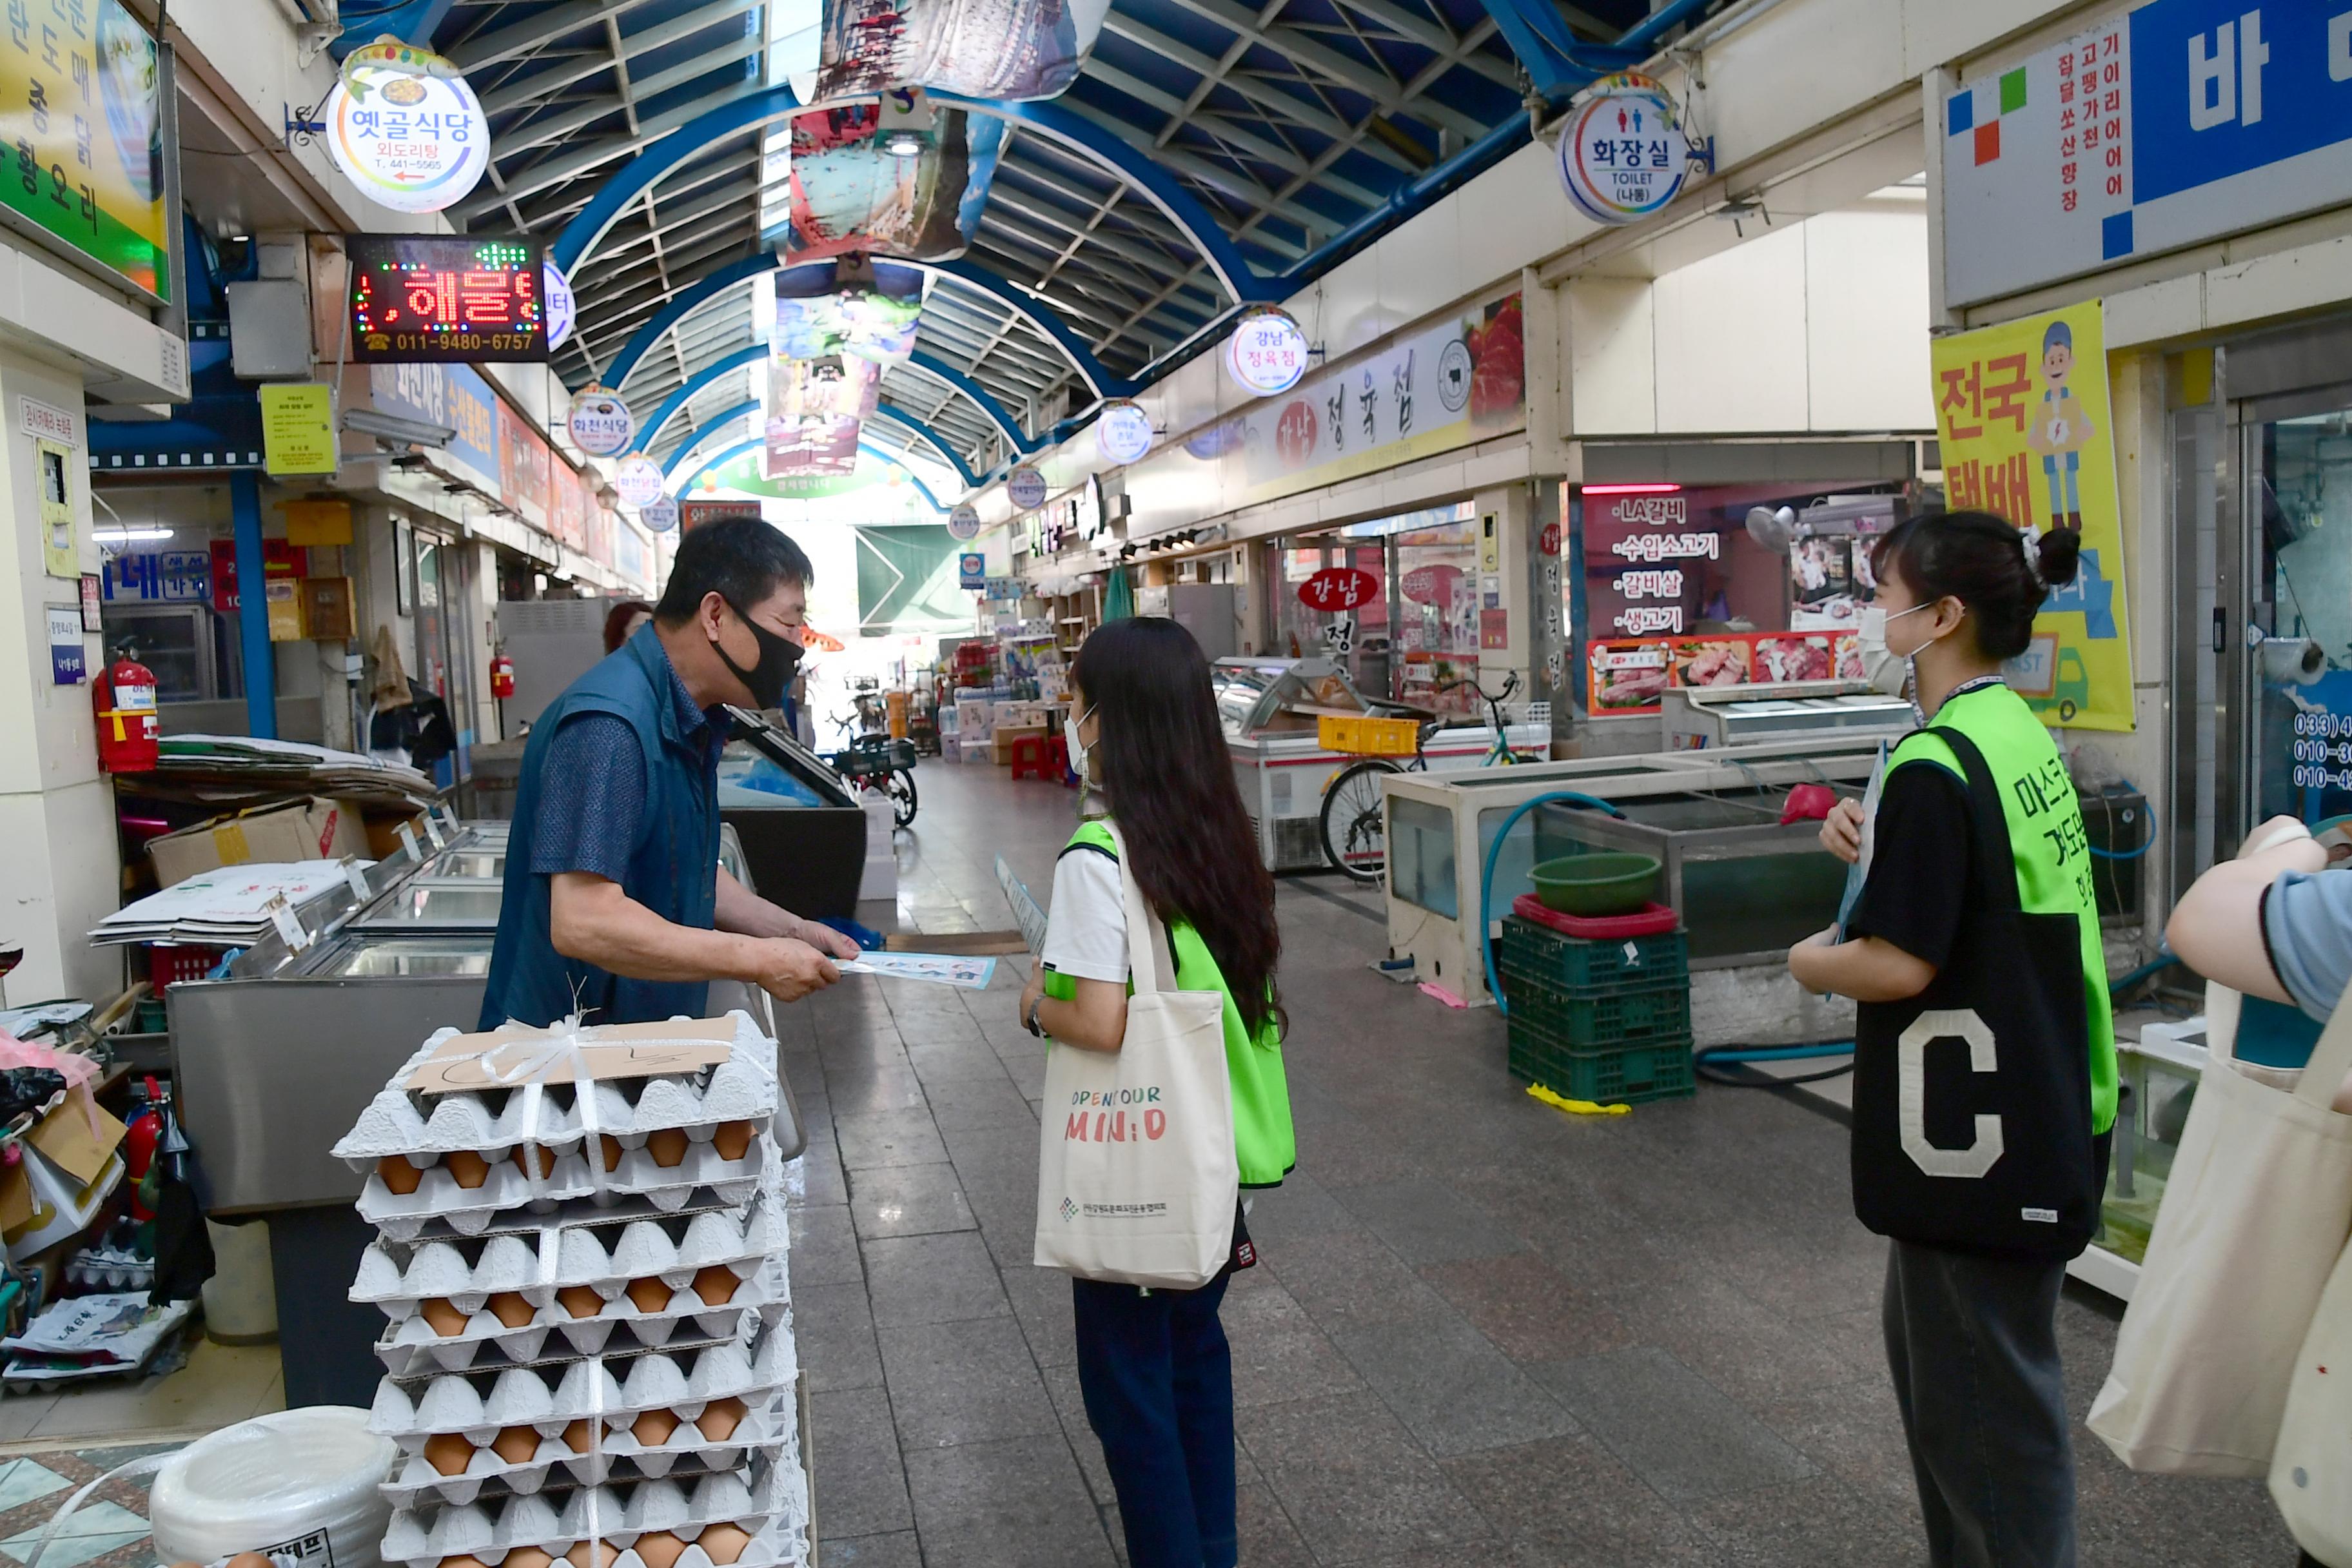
(310, 829)
(1007, 734)
(70, 1168)
(382, 829)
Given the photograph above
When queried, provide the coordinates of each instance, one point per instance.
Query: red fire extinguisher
(502, 677)
(127, 735)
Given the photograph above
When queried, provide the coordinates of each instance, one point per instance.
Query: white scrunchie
(2032, 551)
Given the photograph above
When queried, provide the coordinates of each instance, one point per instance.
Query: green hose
(1486, 878)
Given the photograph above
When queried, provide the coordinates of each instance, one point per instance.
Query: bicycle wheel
(1355, 838)
(902, 795)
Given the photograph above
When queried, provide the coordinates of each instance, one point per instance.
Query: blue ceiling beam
(706, 429)
(931, 364)
(756, 109)
(411, 21)
(722, 459)
(1558, 62)
(677, 400)
(1035, 312)
(932, 438)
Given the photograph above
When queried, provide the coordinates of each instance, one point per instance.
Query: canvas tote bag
(1137, 1179)
(2254, 1215)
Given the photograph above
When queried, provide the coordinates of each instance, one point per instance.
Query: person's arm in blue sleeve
(2233, 925)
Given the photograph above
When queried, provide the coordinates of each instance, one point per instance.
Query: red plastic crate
(168, 966)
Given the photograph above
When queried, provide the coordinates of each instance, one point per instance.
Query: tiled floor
(219, 1386)
(109, 1529)
(1482, 1333)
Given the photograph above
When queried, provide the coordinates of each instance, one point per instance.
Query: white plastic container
(241, 1298)
(272, 1480)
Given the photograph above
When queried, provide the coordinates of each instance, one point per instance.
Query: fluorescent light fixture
(903, 144)
(130, 535)
(1631, 490)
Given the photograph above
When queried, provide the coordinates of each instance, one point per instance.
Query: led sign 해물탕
(463, 298)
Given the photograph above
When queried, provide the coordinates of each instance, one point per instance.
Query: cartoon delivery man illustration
(2060, 429)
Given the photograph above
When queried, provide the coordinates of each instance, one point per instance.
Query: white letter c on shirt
(1911, 1093)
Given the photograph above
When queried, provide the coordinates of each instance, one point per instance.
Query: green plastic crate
(1591, 1021)
(1578, 963)
(1628, 1075)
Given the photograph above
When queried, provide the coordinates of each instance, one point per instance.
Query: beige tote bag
(2255, 1215)
(1137, 1177)
(2311, 1474)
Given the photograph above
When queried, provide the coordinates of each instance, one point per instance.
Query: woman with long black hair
(1154, 1365)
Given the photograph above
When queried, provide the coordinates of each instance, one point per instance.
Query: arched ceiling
(1287, 122)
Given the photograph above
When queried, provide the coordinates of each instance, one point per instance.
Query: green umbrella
(1119, 598)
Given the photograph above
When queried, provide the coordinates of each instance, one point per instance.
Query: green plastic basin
(1614, 882)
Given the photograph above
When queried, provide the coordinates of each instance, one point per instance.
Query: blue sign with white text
(2220, 88)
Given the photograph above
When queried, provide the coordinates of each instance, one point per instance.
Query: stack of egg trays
(580, 1353)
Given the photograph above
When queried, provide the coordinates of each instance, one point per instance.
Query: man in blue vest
(615, 905)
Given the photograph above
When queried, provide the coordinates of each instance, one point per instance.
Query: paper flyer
(1859, 872)
(941, 969)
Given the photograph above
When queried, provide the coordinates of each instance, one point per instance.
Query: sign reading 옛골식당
(469, 298)
(81, 150)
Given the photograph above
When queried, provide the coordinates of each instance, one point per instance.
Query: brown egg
(593, 1554)
(512, 1310)
(458, 1562)
(649, 1294)
(398, 1174)
(733, 1140)
(659, 1548)
(443, 1318)
(717, 1285)
(529, 1154)
(580, 1436)
(719, 1418)
(469, 1167)
(724, 1542)
(609, 1147)
(516, 1445)
(654, 1428)
(528, 1557)
(669, 1146)
(249, 1560)
(579, 1301)
(449, 1453)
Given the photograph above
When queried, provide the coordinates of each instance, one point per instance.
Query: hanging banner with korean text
(980, 48)
(2023, 416)
(81, 147)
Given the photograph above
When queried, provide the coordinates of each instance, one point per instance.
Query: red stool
(1057, 763)
(1029, 757)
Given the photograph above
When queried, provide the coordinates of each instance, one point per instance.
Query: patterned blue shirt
(2307, 926)
(593, 786)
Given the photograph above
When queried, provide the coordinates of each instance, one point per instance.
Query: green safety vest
(1263, 1142)
(2046, 839)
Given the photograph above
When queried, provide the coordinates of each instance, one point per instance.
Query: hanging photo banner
(873, 322)
(1622, 154)
(859, 184)
(660, 514)
(638, 480)
(1267, 352)
(1025, 489)
(1123, 431)
(813, 444)
(411, 136)
(963, 523)
(563, 310)
(2022, 411)
(978, 48)
(601, 423)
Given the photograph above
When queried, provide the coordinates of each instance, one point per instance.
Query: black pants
(1971, 1339)
(1157, 1378)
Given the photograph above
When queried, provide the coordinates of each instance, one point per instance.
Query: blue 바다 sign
(2172, 124)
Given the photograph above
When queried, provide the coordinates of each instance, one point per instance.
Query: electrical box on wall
(269, 328)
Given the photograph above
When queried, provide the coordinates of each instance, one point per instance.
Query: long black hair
(1981, 561)
(1159, 754)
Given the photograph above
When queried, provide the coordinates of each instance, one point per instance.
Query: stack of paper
(244, 761)
(226, 908)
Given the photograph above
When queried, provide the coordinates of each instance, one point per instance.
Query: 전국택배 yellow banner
(2022, 415)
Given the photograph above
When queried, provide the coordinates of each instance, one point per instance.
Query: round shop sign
(601, 423)
(412, 142)
(562, 312)
(963, 523)
(638, 481)
(1123, 432)
(1025, 489)
(660, 514)
(1339, 588)
(1622, 155)
(1267, 352)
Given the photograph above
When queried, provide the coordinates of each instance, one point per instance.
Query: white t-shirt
(1085, 929)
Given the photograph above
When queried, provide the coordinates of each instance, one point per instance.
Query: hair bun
(2060, 556)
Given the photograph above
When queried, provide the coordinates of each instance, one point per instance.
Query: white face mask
(1077, 748)
(1886, 670)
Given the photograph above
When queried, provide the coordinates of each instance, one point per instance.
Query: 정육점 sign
(1622, 155)
(469, 298)
(601, 423)
(638, 480)
(1124, 431)
(1025, 489)
(1267, 352)
(412, 138)
(963, 523)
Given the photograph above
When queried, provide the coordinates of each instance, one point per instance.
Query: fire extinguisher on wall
(128, 739)
(502, 677)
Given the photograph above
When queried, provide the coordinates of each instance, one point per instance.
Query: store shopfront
(1406, 630)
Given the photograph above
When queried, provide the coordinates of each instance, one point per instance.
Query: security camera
(392, 427)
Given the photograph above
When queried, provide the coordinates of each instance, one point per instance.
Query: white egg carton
(494, 1122)
(542, 1263)
(413, 1346)
(766, 1430)
(480, 1406)
(566, 1190)
(781, 1541)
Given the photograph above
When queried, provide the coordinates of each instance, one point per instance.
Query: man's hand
(789, 969)
(827, 940)
(1841, 831)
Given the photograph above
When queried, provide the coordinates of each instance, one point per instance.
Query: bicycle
(1352, 824)
(879, 765)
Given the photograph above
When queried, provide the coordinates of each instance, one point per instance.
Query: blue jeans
(1157, 1378)
(2067, 465)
